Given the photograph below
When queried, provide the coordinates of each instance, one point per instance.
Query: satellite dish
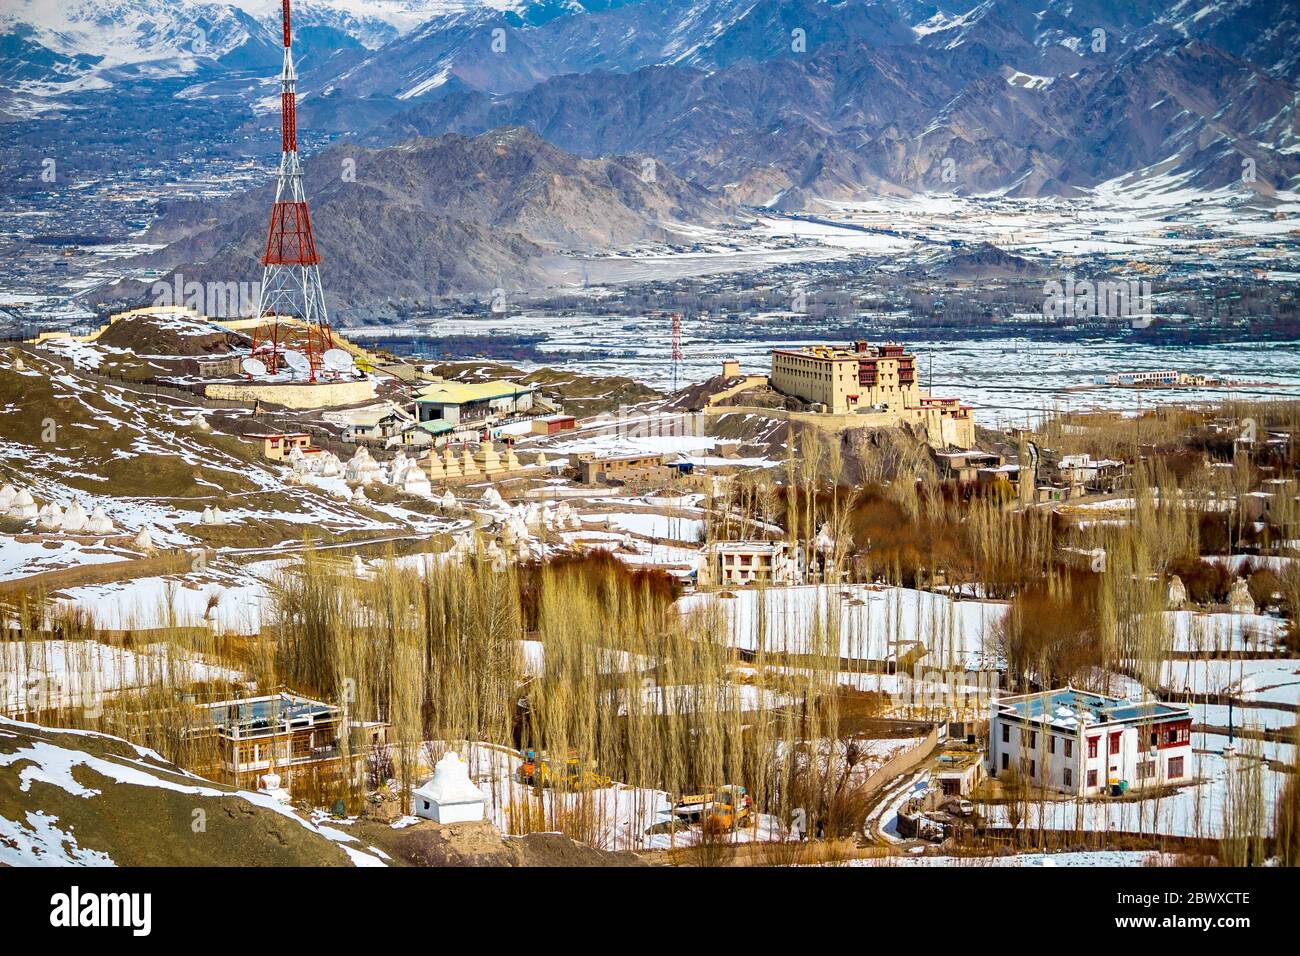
(252, 366)
(337, 360)
(297, 361)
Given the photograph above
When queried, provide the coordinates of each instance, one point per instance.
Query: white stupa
(201, 423)
(1177, 592)
(144, 540)
(206, 517)
(1239, 599)
(448, 501)
(329, 466)
(825, 541)
(50, 517)
(23, 506)
(74, 519)
(7, 495)
(492, 498)
(450, 796)
(416, 482)
(269, 784)
(99, 523)
(359, 496)
(361, 468)
(358, 566)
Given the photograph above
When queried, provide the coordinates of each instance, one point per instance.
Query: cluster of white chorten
(19, 504)
(214, 515)
(324, 465)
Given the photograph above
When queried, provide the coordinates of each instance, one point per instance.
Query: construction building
(460, 403)
(875, 381)
(1086, 744)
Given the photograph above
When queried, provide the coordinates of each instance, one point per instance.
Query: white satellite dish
(337, 360)
(297, 362)
(252, 366)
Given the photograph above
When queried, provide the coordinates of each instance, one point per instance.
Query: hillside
(440, 216)
(86, 799)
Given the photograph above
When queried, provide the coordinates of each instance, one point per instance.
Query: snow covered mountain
(47, 46)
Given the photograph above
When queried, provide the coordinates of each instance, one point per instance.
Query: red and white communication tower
(677, 345)
(291, 286)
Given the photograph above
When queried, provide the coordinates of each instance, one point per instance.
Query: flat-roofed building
(875, 380)
(1083, 743)
(594, 469)
(739, 563)
(277, 446)
(283, 734)
(460, 402)
(377, 424)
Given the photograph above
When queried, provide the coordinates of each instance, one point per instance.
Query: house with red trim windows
(1082, 743)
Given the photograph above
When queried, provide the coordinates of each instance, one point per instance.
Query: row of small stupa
(411, 475)
(486, 462)
(19, 503)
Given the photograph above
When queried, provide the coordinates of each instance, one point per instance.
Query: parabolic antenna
(252, 366)
(297, 362)
(337, 360)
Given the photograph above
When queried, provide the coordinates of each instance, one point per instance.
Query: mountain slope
(86, 799)
(435, 217)
(856, 118)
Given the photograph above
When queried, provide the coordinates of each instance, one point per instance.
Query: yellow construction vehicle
(731, 806)
(572, 774)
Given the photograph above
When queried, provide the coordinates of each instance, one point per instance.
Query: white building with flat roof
(1079, 742)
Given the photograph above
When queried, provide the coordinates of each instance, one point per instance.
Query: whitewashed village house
(1082, 743)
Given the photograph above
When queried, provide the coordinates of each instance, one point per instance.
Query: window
(1033, 769)
(426, 804)
(1146, 769)
(1092, 746)
(1114, 743)
(1067, 777)
(1004, 761)
(1033, 739)
(1069, 747)
(1175, 767)
(1006, 733)
(1092, 779)
(1051, 743)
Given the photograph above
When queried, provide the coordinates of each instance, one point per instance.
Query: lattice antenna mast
(291, 285)
(677, 345)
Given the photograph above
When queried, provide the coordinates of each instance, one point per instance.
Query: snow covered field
(1201, 809)
(1199, 631)
(59, 673)
(873, 624)
(1250, 681)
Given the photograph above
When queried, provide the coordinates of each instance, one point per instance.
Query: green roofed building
(459, 403)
